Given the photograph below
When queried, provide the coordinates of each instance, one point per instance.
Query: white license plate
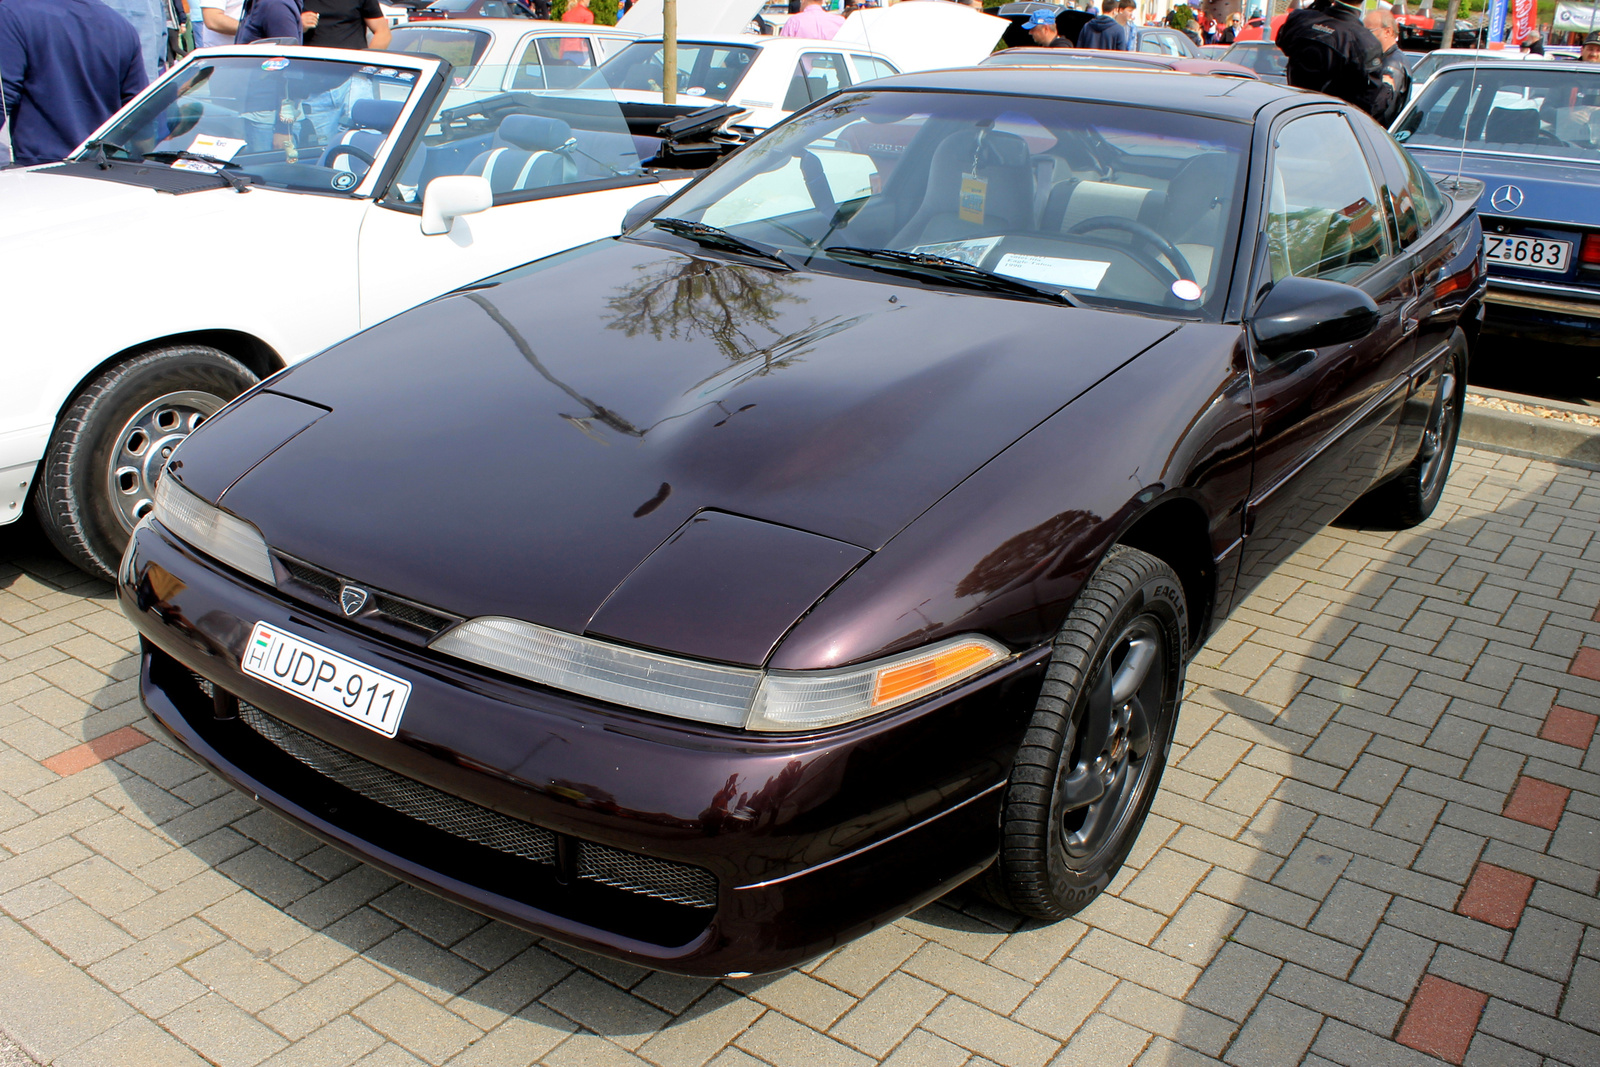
(1528, 253)
(346, 687)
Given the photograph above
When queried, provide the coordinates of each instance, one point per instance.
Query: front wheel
(1091, 759)
(114, 440)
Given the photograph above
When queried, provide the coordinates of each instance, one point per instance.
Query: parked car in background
(1530, 132)
(1263, 57)
(712, 596)
(1089, 57)
(1431, 63)
(490, 56)
(316, 192)
(768, 77)
(434, 10)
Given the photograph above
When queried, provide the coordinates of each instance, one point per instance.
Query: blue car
(1531, 133)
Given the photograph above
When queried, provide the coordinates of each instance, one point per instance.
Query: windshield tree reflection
(1110, 204)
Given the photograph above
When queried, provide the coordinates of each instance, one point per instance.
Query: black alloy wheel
(1091, 760)
(99, 475)
(1410, 497)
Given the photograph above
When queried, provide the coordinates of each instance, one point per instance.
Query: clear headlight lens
(773, 701)
(213, 531)
(682, 688)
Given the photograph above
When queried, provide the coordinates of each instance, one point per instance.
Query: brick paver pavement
(1376, 845)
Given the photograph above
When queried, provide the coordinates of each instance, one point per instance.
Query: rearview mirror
(453, 195)
(1301, 313)
(640, 211)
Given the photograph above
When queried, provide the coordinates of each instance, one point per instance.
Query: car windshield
(524, 143)
(1115, 205)
(709, 71)
(1521, 109)
(306, 124)
(1428, 65)
(460, 46)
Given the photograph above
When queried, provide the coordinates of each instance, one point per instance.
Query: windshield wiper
(239, 183)
(100, 144)
(947, 269)
(716, 237)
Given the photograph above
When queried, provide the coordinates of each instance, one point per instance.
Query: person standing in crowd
(221, 19)
(1230, 32)
(1533, 43)
(149, 20)
(1396, 74)
(1331, 52)
(65, 67)
(1109, 29)
(273, 18)
(1041, 26)
(345, 23)
(1591, 49)
(813, 21)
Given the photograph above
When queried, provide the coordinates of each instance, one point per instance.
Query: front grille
(673, 883)
(317, 585)
(423, 803)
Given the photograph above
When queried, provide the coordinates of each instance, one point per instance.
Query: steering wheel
(347, 150)
(1145, 234)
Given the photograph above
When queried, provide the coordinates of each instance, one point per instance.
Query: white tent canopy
(696, 18)
(923, 34)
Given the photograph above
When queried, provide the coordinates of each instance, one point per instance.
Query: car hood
(1552, 191)
(520, 447)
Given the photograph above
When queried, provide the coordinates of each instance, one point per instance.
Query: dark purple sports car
(711, 595)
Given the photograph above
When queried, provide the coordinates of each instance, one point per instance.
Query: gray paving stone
(1277, 1033)
(1544, 944)
(1234, 982)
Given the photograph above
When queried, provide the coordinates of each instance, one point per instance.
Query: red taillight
(1589, 254)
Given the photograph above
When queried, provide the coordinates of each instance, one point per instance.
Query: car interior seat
(1512, 125)
(370, 122)
(1002, 161)
(1072, 201)
(1196, 210)
(530, 152)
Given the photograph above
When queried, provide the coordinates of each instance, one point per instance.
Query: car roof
(512, 25)
(754, 40)
(1234, 98)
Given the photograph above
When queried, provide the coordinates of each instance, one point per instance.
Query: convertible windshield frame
(185, 110)
(607, 70)
(1154, 146)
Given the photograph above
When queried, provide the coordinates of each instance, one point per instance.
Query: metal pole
(669, 51)
(1448, 41)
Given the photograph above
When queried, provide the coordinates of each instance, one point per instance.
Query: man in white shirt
(222, 21)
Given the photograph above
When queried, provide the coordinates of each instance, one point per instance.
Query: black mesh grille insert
(410, 614)
(326, 584)
(628, 871)
(315, 583)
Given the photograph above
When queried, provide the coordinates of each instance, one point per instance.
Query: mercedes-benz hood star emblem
(352, 599)
(1506, 198)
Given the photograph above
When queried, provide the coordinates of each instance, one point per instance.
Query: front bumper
(806, 841)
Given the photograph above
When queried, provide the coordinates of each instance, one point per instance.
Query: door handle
(1408, 316)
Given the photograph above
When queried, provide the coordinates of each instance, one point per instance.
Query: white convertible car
(250, 208)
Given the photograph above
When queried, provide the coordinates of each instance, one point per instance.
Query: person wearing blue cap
(1041, 26)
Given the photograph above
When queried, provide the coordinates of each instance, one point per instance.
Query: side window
(493, 9)
(1150, 43)
(1324, 219)
(1424, 191)
(869, 67)
(553, 63)
(815, 76)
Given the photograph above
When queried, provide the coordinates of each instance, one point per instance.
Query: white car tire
(113, 440)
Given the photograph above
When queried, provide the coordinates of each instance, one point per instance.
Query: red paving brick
(1586, 664)
(82, 757)
(1496, 896)
(1442, 1019)
(1565, 726)
(1537, 803)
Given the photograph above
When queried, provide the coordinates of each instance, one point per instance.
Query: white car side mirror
(452, 195)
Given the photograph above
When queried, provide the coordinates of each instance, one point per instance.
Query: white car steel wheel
(145, 444)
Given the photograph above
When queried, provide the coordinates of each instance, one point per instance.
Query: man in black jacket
(1331, 52)
(1396, 75)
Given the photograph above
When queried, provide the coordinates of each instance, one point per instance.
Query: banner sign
(1522, 13)
(1576, 18)
(1497, 21)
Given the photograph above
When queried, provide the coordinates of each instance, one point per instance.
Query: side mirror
(452, 195)
(1300, 313)
(640, 211)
